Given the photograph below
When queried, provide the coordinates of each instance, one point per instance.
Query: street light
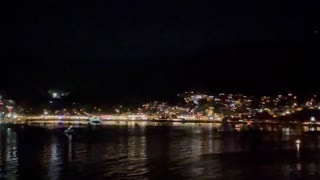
(312, 119)
(298, 141)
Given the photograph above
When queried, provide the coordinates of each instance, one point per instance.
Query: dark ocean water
(156, 152)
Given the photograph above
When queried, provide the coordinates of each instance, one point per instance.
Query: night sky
(124, 51)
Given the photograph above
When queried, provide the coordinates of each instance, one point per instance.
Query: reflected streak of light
(196, 152)
(70, 147)
(298, 150)
(210, 141)
(54, 158)
(11, 151)
(299, 166)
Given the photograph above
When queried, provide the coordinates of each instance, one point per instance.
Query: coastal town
(193, 106)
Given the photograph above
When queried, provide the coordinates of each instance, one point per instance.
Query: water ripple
(156, 152)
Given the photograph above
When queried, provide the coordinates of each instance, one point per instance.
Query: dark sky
(111, 51)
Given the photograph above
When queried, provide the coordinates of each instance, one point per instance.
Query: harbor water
(157, 151)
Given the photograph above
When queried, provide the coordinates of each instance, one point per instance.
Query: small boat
(69, 131)
(94, 120)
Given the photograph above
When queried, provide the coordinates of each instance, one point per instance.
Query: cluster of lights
(11, 115)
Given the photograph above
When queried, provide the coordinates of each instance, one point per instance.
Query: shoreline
(121, 121)
(106, 122)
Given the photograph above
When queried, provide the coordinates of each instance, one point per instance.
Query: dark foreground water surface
(156, 152)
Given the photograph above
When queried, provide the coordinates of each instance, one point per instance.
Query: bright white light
(287, 130)
(15, 116)
(298, 141)
(54, 95)
(312, 119)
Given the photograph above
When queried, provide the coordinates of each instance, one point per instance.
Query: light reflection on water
(158, 151)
